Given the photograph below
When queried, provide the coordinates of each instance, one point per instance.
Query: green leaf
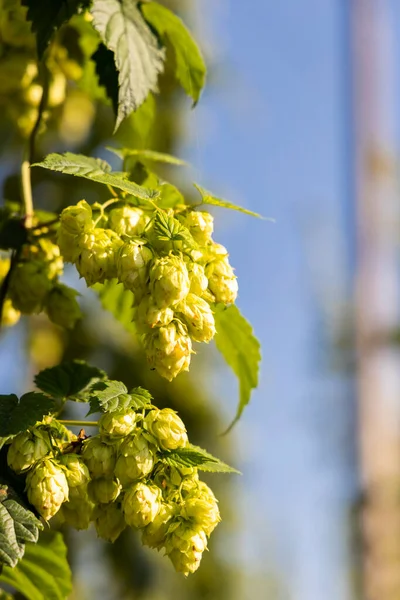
(107, 73)
(138, 58)
(241, 350)
(137, 128)
(170, 197)
(108, 396)
(18, 525)
(44, 573)
(47, 16)
(193, 456)
(17, 415)
(69, 380)
(118, 301)
(140, 398)
(208, 198)
(144, 155)
(167, 228)
(95, 170)
(190, 69)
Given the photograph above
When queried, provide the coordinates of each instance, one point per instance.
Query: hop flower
(198, 318)
(77, 475)
(27, 448)
(104, 490)
(201, 507)
(117, 424)
(141, 504)
(68, 244)
(222, 281)
(96, 262)
(99, 457)
(185, 546)
(47, 488)
(10, 316)
(135, 460)
(149, 315)
(61, 306)
(168, 349)
(197, 277)
(167, 428)
(132, 261)
(109, 521)
(29, 286)
(76, 220)
(200, 225)
(169, 281)
(154, 535)
(77, 514)
(127, 220)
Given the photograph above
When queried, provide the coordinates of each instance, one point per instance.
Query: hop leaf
(70, 380)
(193, 456)
(17, 415)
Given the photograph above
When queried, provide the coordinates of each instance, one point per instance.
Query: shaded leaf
(208, 198)
(150, 155)
(190, 68)
(108, 396)
(241, 350)
(167, 228)
(95, 170)
(140, 398)
(118, 301)
(107, 73)
(69, 379)
(193, 456)
(138, 58)
(17, 415)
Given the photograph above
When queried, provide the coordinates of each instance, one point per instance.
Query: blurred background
(300, 122)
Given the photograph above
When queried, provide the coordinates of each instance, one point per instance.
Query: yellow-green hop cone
(198, 318)
(135, 460)
(78, 514)
(185, 546)
(201, 507)
(96, 262)
(10, 315)
(132, 262)
(104, 490)
(168, 349)
(167, 428)
(169, 281)
(47, 487)
(99, 457)
(200, 225)
(128, 220)
(61, 306)
(77, 473)
(141, 504)
(197, 278)
(222, 281)
(27, 448)
(154, 535)
(29, 286)
(149, 315)
(76, 220)
(109, 521)
(117, 424)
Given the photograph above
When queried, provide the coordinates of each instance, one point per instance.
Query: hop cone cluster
(117, 479)
(169, 262)
(20, 86)
(34, 286)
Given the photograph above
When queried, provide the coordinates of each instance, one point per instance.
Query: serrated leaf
(150, 155)
(193, 456)
(167, 228)
(108, 396)
(208, 198)
(139, 398)
(69, 379)
(107, 73)
(118, 301)
(95, 170)
(241, 350)
(47, 16)
(190, 69)
(44, 573)
(138, 57)
(17, 415)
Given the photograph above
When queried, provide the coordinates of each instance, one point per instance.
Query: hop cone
(154, 535)
(27, 448)
(169, 281)
(118, 423)
(197, 278)
(132, 262)
(200, 225)
(201, 507)
(104, 490)
(184, 547)
(222, 280)
(168, 349)
(78, 514)
(29, 286)
(198, 318)
(167, 428)
(149, 315)
(141, 504)
(109, 521)
(96, 262)
(61, 306)
(135, 460)
(99, 457)
(76, 220)
(77, 475)
(127, 220)
(47, 488)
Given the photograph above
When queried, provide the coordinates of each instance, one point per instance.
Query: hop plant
(168, 349)
(169, 281)
(201, 507)
(109, 521)
(141, 504)
(135, 459)
(77, 475)
(198, 318)
(29, 286)
(166, 428)
(200, 225)
(185, 546)
(77, 514)
(154, 535)
(27, 448)
(222, 280)
(133, 261)
(149, 315)
(118, 424)
(96, 262)
(104, 490)
(47, 487)
(61, 306)
(99, 457)
(128, 220)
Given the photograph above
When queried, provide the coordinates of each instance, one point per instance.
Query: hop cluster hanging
(170, 263)
(117, 479)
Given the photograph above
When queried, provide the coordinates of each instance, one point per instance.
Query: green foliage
(241, 350)
(138, 58)
(167, 228)
(69, 380)
(140, 398)
(190, 69)
(107, 73)
(193, 456)
(48, 15)
(106, 396)
(18, 525)
(95, 170)
(43, 574)
(147, 155)
(118, 301)
(208, 198)
(17, 415)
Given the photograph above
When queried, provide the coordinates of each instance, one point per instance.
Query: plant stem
(79, 423)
